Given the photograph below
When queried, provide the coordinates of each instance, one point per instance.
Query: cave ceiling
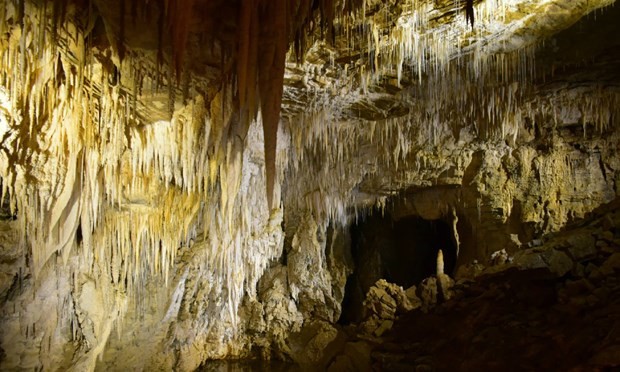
(355, 63)
(366, 62)
(326, 75)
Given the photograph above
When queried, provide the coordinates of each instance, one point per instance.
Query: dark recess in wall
(403, 252)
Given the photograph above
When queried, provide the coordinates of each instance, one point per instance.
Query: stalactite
(271, 62)
(469, 12)
(247, 59)
(179, 18)
(160, 37)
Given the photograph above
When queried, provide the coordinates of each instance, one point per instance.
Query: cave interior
(368, 185)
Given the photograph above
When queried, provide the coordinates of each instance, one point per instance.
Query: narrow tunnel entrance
(413, 257)
(403, 252)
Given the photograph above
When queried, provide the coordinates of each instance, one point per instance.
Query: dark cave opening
(402, 251)
(414, 254)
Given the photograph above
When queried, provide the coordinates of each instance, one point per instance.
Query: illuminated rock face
(136, 230)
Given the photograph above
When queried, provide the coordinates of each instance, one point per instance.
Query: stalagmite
(440, 264)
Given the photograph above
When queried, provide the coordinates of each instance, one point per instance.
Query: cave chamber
(323, 184)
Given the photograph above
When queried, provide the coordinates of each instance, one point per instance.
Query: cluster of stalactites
(79, 168)
(265, 29)
(117, 197)
(452, 77)
(433, 53)
(340, 155)
(418, 40)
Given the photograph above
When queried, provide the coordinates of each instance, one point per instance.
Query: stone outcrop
(383, 304)
(298, 301)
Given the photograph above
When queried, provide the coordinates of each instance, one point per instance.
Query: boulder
(558, 262)
(428, 293)
(378, 302)
(386, 300)
(611, 265)
(308, 346)
(445, 284)
(581, 246)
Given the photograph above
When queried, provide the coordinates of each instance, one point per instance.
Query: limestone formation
(184, 181)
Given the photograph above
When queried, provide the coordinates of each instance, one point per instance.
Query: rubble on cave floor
(553, 306)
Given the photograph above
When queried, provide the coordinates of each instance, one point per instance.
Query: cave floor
(511, 318)
(515, 321)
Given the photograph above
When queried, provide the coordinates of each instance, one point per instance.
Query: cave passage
(413, 255)
(403, 252)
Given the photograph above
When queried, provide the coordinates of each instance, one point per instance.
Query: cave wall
(124, 228)
(506, 196)
(132, 243)
(176, 321)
